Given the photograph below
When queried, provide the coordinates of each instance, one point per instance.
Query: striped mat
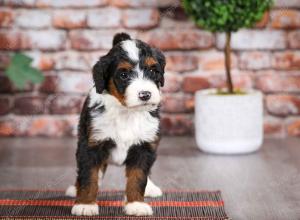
(16, 204)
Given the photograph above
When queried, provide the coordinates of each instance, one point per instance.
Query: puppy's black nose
(144, 95)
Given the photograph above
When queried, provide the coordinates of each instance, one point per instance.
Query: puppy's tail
(120, 37)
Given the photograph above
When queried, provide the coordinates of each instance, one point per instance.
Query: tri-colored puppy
(119, 124)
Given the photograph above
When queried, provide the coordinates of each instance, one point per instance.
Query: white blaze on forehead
(132, 50)
(139, 71)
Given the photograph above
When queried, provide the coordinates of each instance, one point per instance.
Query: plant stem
(227, 53)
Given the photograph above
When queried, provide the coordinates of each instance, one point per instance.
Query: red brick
(168, 4)
(167, 22)
(285, 18)
(278, 82)
(13, 40)
(42, 39)
(255, 39)
(33, 19)
(4, 60)
(91, 57)
(5, 85)
(65, 104)
(6, 18)
(144, 3)
(294, 39)
(72, 60)
(173, 103)
(214, 61)
(45, 63)
(42, 61)
(5, 105)
(293, 127)
(283, 105)
(18, 3)
(47, 39)
(104, 18)
(255, 60)
(69, 19)
(74, 82)
(175, 12)
(175, 39)
(29, 87)
(273, 127)
(172, 83)
(70, 3)
(287, 4)
(50, 84)
(6, 127)
(141, 18)
(181, 62)
(67, 82)
(177, 124)
(288, 60)
(50, 126)
(264, 21)
(133, 3)
(91, 39)
(27, 105)
(192, 83)
(189, 103)
(241, 80)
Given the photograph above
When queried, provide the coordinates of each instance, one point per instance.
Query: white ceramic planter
(228, 124)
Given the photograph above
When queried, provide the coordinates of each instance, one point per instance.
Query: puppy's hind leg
(152, 190)
(101, 173)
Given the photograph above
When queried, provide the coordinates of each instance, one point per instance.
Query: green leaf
(20, 71)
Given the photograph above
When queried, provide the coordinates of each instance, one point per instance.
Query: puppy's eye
(124, 75)
(153, 71)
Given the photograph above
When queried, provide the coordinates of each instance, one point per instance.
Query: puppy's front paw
(85, 209)
(138, 209)
(71, 191)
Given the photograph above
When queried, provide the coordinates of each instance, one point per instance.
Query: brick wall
(65, 38)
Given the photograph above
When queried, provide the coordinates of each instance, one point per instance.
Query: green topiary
(226, 16)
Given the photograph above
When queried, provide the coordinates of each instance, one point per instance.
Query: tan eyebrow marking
(113, 91)
(150, 61)
(125, 65)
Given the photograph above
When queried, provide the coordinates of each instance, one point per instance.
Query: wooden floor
(260, 186)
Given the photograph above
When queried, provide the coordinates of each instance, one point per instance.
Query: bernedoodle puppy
(119, 124)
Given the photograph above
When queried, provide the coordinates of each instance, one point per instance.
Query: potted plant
(228, 121)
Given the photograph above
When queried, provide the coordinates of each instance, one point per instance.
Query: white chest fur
(124, 126)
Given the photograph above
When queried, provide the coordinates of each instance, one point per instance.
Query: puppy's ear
(100, 74)
(120, 37)
(162, 62)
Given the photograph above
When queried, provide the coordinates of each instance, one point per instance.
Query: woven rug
(31, 204)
